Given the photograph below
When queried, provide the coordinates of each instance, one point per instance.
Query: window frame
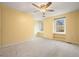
(40, 26)
(54, 25)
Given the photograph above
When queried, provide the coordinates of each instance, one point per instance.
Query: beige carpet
(40, 47)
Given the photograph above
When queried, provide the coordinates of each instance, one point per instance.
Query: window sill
(59, 33)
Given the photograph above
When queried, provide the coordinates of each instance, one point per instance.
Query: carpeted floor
(40, 47)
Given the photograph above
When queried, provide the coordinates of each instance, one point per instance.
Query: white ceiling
(59, 7)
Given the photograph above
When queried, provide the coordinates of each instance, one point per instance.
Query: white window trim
(54, 29)
(40, 26)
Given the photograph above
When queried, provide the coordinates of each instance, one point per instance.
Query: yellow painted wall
(47, 31)
(48, 28)
(72, 28)
(0, 26)
(59, 36)
(17, 26)
(78, 24)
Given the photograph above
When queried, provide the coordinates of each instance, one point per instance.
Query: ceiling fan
(43, 8)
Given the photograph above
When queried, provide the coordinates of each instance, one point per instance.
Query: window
(60, 26)
(40, 26)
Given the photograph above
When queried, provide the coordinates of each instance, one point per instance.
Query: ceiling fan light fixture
(43, 8)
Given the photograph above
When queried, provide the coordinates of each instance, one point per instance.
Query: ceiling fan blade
(35, 5)
(50, 10)
(48, 4)
(36, 11)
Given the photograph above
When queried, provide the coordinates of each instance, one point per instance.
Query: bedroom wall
(72, 23)
(77, 23)
(59, 36)
(0, 26)
(72, 28)
(17, 26)
(47, 28)
(78, 28)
